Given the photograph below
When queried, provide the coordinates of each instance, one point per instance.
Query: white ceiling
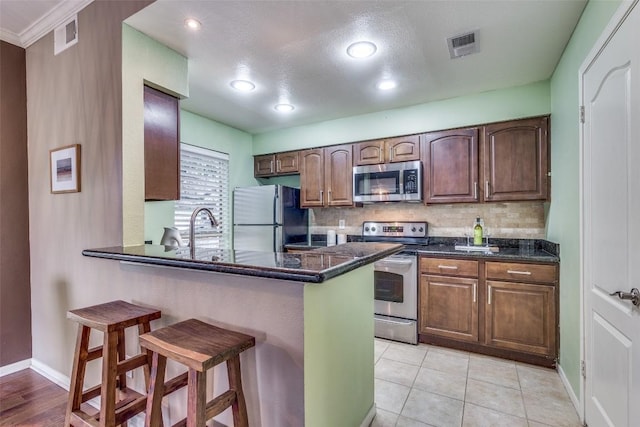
(294, 51)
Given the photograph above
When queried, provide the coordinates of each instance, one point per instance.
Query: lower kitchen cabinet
(521, 317)
(504, 309)
(450, 307)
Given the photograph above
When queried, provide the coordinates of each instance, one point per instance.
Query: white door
(611, 227)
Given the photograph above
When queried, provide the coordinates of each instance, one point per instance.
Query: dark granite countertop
(527, 250)
(312, 267)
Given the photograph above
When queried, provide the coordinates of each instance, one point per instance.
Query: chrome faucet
(192, 226)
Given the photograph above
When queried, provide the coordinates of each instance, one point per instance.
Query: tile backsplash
(503, 220)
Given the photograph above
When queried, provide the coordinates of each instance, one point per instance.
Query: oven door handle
(398, 322)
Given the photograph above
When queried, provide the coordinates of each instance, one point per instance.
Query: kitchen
(56, 277)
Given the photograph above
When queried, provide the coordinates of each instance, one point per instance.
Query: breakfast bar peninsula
(311, 314)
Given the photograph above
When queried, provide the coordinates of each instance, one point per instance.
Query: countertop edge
(295, 275)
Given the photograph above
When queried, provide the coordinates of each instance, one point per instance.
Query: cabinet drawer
(449, 267)
(521, 272)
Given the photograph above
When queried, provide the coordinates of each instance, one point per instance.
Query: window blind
(204, 182)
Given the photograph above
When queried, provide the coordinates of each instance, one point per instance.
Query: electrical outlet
(341, 223)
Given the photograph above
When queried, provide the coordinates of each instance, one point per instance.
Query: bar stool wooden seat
(118, 403)
(199, 346)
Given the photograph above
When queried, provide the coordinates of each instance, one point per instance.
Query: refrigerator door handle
(277, 205)
(277, 239)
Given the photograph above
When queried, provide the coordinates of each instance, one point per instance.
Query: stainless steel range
(396, 280)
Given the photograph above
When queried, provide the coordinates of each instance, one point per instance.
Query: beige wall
(15, 310)
(76, 97)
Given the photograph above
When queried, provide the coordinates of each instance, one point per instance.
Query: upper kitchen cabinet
(268, 165)
(515, 160)
(390, 150)
(161, 145)
(450, 160)
(326, 176)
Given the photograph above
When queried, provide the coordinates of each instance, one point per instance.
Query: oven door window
(388, 286)
(377, 183)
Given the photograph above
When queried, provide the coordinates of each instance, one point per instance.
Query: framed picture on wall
(65, 169)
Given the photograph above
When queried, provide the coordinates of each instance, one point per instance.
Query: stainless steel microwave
(388, 182)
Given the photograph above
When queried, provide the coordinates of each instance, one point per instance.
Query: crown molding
(58, 15)
(10, 37)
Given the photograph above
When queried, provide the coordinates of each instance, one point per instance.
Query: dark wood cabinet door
(368, 153)
(450, 162)
(161, 145)
(287, 163)
(516, 163)
(338, 175)
(402, 149)
(312, 178)
(449, 307)
(521, 317)
(264, 165)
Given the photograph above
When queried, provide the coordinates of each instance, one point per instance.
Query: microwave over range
(389, 182)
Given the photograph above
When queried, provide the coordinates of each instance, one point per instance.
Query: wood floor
(29, 399)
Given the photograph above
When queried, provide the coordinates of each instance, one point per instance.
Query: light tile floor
(424, 385)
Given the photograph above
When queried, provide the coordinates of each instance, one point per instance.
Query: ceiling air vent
(462, 45)
(66, 35)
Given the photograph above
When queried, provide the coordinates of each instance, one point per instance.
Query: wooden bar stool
(112, 319)
(199, 346)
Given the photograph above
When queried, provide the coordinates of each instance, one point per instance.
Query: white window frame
(204, 182)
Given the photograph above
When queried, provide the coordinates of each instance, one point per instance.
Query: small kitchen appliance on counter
(396, 280)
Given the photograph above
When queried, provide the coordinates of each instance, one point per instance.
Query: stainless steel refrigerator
(267, 217)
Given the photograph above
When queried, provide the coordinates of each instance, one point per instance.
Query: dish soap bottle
(477, 233)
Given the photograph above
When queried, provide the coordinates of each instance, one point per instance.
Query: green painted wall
(563, 218)
(338, 350)
(203, 132)
(144, 61)
(497, 105)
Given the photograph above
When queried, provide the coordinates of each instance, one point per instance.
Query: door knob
(634, 296)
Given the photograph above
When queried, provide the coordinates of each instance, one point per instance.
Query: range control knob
(373, 229)
(366, 229)
(414, 229)
(421, 229)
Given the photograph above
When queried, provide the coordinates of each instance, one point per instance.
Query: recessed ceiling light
(192, 24)
(284, 108)
(362, 49)
(242, 85)
(386, 84)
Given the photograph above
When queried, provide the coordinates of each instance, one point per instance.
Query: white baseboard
(64, 382)
(51, 374)
(368, 419)
(572, 395)
(15, 367)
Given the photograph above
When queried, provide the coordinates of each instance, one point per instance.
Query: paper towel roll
(331, 237)
(342, 238)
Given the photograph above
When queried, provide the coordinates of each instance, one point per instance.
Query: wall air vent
(66, 35)
(462, 45)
